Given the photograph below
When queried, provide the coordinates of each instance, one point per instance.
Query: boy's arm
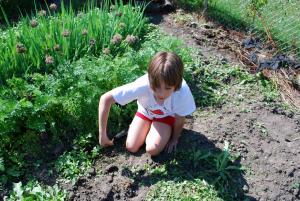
(178, 126)
(176, 131)
(105, 103)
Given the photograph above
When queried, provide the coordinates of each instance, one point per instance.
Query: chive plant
(39, 43)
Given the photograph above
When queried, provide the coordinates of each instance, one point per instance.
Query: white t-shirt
(181, 102)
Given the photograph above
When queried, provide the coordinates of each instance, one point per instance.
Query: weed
(195, 168)
(269, 90)
(263, 130)
(183, 190)
(35, 191)
(73, 164)
(245, 110)
(296, 185)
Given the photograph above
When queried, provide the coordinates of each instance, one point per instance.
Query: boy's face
(163, 91)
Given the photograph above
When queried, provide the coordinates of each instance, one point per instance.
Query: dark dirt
(267, 137)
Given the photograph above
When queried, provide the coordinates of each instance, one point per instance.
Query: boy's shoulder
(183, 89)
(143, 79)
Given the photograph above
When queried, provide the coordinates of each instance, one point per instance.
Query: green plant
(35, 191)
(296, 185)
(184, 190)
(211, 80)
(224, 165)
(73, 164)
(39, 44)
(263, 130)
(194, 174)
(268, 89)
(254, 6)
(189, 4)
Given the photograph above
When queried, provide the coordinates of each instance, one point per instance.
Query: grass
(282, 19)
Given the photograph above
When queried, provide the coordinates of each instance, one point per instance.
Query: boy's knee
(131, 148)
(152, 149)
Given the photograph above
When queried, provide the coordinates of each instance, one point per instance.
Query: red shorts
(167, 120)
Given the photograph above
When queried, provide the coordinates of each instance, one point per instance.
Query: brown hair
(167, 67)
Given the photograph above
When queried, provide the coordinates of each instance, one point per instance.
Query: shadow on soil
(196, 158)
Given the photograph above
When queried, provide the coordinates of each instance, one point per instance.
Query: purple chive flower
(119, 14)
(112, 7)
(49, 59)
(80, 14)
(34, 23)
(131, 39)
(66, 33)
(56, 47)
(106, 50)
(21, 48)
(42, 13)
(117, 38)
(84, 32)
(53, 7)
(122, 25)
(92, 42)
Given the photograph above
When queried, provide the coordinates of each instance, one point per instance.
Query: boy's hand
(104, 141)
(172, 145)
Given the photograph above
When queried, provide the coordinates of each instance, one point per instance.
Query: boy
(163, 98)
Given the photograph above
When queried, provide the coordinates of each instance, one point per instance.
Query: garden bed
(241, 143)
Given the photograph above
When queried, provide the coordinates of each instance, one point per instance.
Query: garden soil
(267, 136)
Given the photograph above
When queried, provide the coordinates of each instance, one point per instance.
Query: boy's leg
(137, 133)
(157, 137)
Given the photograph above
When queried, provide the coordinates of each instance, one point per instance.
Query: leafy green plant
(76, 162)
(73, 164)
(2, 167)
(194, 174)
(35, 191)
(185, 190)
(268, 88)
(296, 185)
(263, 130)
(211, 80)
(224, 165)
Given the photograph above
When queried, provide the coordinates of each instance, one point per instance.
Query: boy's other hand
(104, 141)
(171, 146)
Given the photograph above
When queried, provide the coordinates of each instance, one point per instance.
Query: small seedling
(263, 130)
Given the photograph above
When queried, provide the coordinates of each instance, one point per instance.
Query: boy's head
(165, 67)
